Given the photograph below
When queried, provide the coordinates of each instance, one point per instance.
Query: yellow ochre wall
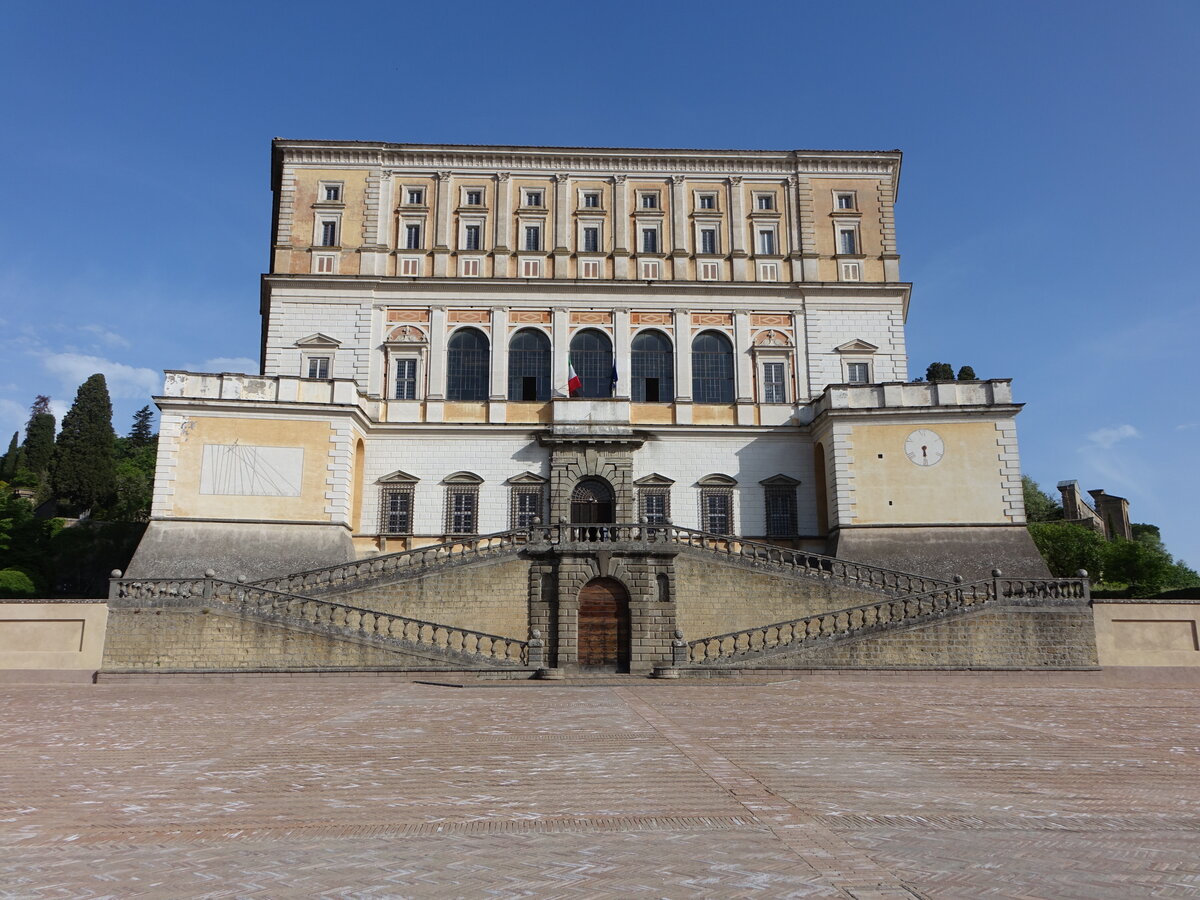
(52, 635)
(313, 437)
(1145, 633)
(964, 487)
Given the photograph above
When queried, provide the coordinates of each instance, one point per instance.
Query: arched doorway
(604, 625)
(592, 503)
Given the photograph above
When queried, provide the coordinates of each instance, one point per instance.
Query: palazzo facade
(736, 320)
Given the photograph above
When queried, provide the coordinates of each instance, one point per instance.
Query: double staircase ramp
(295, 600)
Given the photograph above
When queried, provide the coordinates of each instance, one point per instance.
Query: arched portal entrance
(592, 503)
(604, 625)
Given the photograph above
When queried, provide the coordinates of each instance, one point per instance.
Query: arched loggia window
(529, 366)
(652, 367)
(467, 365)
(712, 368)
(592, 359)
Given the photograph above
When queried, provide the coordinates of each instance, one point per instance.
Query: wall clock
(924, 447)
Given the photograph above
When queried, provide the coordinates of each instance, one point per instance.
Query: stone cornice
(554, 160)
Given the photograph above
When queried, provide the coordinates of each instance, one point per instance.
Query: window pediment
(772, 339)
(398, 477)
(462, 478)
(781, 480)
(318, 340)
(717, 480)
(527, 478)
(406, 334)
(654, 480)
(858, 345)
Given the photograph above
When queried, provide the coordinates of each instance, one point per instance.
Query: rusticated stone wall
(190, 638)
(717, 598)
(995, 637)
(492, 597)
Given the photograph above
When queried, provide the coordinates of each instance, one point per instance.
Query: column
(620, 228)
(503, 224)
(743, 361)
(562, 223)
(737, 228)
(683, 366)
(559, 352)
(621, 355)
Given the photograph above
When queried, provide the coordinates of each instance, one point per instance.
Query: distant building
(1109, 515)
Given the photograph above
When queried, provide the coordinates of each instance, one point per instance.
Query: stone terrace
(853, 786)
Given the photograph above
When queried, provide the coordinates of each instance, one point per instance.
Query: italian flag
(574, 382)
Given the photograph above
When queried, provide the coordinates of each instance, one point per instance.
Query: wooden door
(604, 625)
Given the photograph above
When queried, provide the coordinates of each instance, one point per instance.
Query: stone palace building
(734, 322)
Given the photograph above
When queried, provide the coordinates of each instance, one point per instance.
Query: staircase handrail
(895, 612)
(370, 623)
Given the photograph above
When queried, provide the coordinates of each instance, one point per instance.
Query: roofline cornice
(471, 158)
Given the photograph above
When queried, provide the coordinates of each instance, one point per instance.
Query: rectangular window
(533, 237)
(649, 240)
(708, 240)
(851, 271)
(650, 271)
(416, 196)
(412, 237)
(716, 510)
(710, 271)
(469, 268)
(591, 239)
(325, 264)
(592, 200)
(858, 373)
(531, 268)
(847, 241)
(329, 229)
(332, 193)
(318, 367)
(766, 201)
(462, 504)
(845, 200)
(410, 266)
(650, 200)
(706, 201)
(471, 237)
(656, 505)
(780, 503)
(526, 506)
(406, 379)
(395, 509)
(768, 272)
(774, 386)
(590, 268)
(533, 198)
(474, 198)
(766, 242)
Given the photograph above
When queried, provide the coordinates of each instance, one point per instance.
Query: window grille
(652, 365)
(467, 361)
(712, 368)
(780, 502)
(527, 505)
(591, 355)
(655, 505)
(529, 366)
(395, 509)
(716, 510)
(462, 506)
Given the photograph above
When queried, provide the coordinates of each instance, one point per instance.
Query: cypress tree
(39, 437)
(966, 373)
(84, 473)
(939, 371)
(8, 464)
(141, 433)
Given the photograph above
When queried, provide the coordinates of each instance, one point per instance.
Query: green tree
(141, 434)
(1145, 568)
(1039, 506)
(84, 475)
(39, 437)
(8, 463)
(1067, 548)
(939, 371)
(966, 373)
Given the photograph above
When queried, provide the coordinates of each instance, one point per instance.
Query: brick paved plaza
(971, 786)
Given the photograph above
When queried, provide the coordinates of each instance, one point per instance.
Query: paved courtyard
(1055, 786)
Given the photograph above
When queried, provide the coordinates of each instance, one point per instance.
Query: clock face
(924, 447)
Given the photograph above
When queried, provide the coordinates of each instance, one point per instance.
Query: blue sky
(1046, 212)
